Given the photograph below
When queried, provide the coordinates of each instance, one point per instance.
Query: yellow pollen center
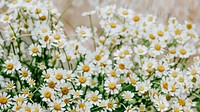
(189, 26)
(65, 90)
(136, 18)
(161, 106)
(181, 79)
(34, 49)
(82, 79)
(24, 73)
(173, 51)
(133, 81)
(112, 86)
(149, 65)
(113, 73)
(181, 102)
(3, 100)
(140, 50)
(121, 66)
(9, 66)
(94, 98)
(125, 12)
(182, 51)
(161, 68)
(82, 32)
(160, 33)
(157, 47)
(193, 72)
(110, 104)
(178, 32)
(174, 74)
(57, 37)
(151, 36)
(59, 76)
(86, 68)
(165, 85)
(97, 57)
(57, 106)
(47, 94)
(113, 25)
(51, 84)
(141, 88)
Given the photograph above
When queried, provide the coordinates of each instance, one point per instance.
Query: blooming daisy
(5, 100)
(35, 50)
(112, 86)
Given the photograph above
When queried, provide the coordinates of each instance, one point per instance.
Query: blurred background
(163, 9)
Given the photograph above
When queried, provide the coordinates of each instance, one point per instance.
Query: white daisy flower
(35, 50)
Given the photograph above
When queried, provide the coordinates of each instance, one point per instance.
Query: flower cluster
(137, 64)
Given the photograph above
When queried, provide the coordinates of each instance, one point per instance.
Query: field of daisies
(133, 63)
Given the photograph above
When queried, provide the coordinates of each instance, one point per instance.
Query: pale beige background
(182, 9)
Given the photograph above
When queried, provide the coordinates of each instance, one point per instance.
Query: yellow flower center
(82, 32)
(149, 65)
(66, 100)
(161, 106)
(181, 102)
(24, 74)
(110, 104)
(82, 79)
(73, 111)
(27, 109)
(165, 85)
(43, 17)
(136, 18)
(20, 99)
(181, 79)
(173, 89)
(57, 106)
(6, 17)
(141, 88)
(172, 51)
(160, 33)
(161, 68)
(112, 86)
(47, 76)
(56, 56)
(34, 49)
(140, 50)
(46, 38)
(133, 81)
(64, 90)
(37, 11)
(47, 94)
(82, 105)
(193, 72)
(113, 73)
(68, 58)
(57, 37)
(151, 36)
(59, 76)
(182, 51)
(174, 74)
(25, 91)
(3, 100)
(150, 19)
(125, 12)
(18, 107)
(9, 66)
(176, 109)
(157, 47)
(189, 26)
(98, 57)
(86, 68)
(121, 66)
(94, 98)
(123, 29)
(113, 25)
(51, 84)
(178, 31)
